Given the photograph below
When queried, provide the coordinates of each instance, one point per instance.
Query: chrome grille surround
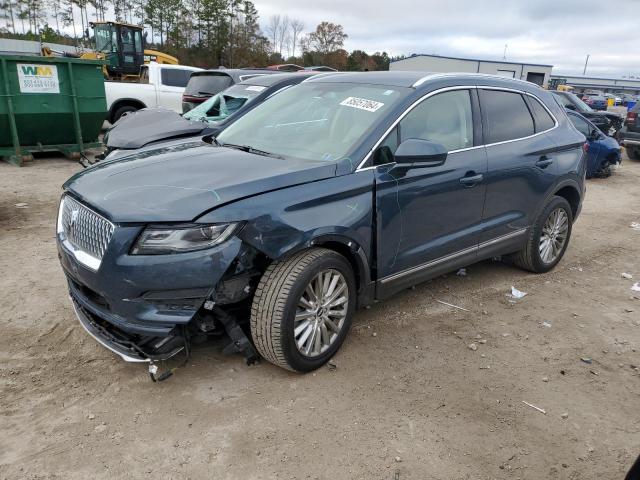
(83, 232)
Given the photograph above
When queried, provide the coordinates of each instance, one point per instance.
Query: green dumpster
(49, 104)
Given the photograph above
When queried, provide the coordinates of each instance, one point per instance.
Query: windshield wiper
(250, 149)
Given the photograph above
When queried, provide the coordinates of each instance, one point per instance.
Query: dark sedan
(608, 122)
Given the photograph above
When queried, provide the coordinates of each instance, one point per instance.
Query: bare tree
(283, 34)
(296, 29)
(273, 30)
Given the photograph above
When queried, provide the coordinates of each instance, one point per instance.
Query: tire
(277, 303)
(122, 111)
(633, 153)
(530, 257)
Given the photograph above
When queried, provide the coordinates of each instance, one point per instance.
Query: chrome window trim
(446, 89)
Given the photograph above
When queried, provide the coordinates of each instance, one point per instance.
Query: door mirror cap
(422, 153)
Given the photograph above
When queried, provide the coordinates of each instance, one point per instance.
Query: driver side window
(445, 118)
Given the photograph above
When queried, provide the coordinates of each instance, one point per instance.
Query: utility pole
(584, 72)
(504, 55)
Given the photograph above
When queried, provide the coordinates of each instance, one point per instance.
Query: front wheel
(302, 309)
(548, 237)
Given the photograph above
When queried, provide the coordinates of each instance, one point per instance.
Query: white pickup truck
(159, 86)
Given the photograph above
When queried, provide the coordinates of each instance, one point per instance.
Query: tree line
(204, 33)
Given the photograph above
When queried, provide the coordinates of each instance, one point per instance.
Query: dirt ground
(410, 397)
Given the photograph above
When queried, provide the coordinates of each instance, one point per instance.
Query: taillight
(585, 147)
(631, 118)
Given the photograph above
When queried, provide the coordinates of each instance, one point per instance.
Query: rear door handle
(471, 180)
(544, 161)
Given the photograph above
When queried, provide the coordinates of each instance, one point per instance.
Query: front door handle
(471, 179)
(544, 161)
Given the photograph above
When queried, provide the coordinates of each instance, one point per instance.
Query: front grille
(84, 229)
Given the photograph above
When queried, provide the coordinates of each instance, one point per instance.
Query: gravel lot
(410, 397)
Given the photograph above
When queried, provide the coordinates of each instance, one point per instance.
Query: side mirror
(570, 106)
(422, 153)
(594, 135)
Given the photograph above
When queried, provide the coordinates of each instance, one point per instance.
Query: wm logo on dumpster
(37, 70)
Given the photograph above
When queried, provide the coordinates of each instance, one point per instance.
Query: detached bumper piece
(131, 348)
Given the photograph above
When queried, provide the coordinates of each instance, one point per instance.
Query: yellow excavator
(121, 46)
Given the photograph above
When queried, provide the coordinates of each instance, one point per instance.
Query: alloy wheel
(321, 312)
(554, 235)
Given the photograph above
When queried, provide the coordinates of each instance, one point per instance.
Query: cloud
(537, 31)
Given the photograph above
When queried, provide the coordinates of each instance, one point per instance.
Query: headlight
(158, 240)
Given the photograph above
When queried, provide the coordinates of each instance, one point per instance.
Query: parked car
(160, 86)
(207, 83)
(339, 191)
(603, 151)
(629, 134)
(627, 97)
(597, 102)
(150, 126)
(608, 122)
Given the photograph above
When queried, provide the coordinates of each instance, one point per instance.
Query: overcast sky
(555, 32)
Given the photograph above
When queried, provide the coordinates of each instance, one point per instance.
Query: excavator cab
(122, 48)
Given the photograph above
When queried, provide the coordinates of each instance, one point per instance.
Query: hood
(180, 182)
(150, 125)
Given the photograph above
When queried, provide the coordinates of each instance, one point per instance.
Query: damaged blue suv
(330, 195)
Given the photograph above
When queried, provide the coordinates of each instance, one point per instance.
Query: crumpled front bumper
(139, 306)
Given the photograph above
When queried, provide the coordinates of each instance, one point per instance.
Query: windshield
(207, 84)
(575, 101)
(314, 121)
(103, 38)
(225, 103)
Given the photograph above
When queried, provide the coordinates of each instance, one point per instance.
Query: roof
(236, 73)
(401, 78)
(270, 80)
(391, 78)
(471, 60)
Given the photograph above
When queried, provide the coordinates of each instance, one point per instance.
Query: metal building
(531, 72)
(607, 85)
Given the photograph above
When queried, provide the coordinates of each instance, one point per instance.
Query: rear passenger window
(444, 118)
(174, 77)
(506, 116)
(543, 120)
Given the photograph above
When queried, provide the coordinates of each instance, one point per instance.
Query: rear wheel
(634, 153)
(302, 309)
(121, 111)
(548, 237)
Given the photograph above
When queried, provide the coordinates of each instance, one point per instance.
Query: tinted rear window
(506, 115)
(208, 84)
(175, 77)
(543, 120)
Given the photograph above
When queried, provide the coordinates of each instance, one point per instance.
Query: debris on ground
(515, 293)
(564, 415)
(635, 287)
(462, 272)
(331, 366)
(545, 379)
(452, 305)
(472, 346)
(374, 334)
(635, 225)
(628, 276)
(541, 410)
(546, 324)
(586, 360)
(22, 205)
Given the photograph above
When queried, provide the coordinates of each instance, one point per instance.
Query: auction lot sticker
(34, 78)
(362, 104)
